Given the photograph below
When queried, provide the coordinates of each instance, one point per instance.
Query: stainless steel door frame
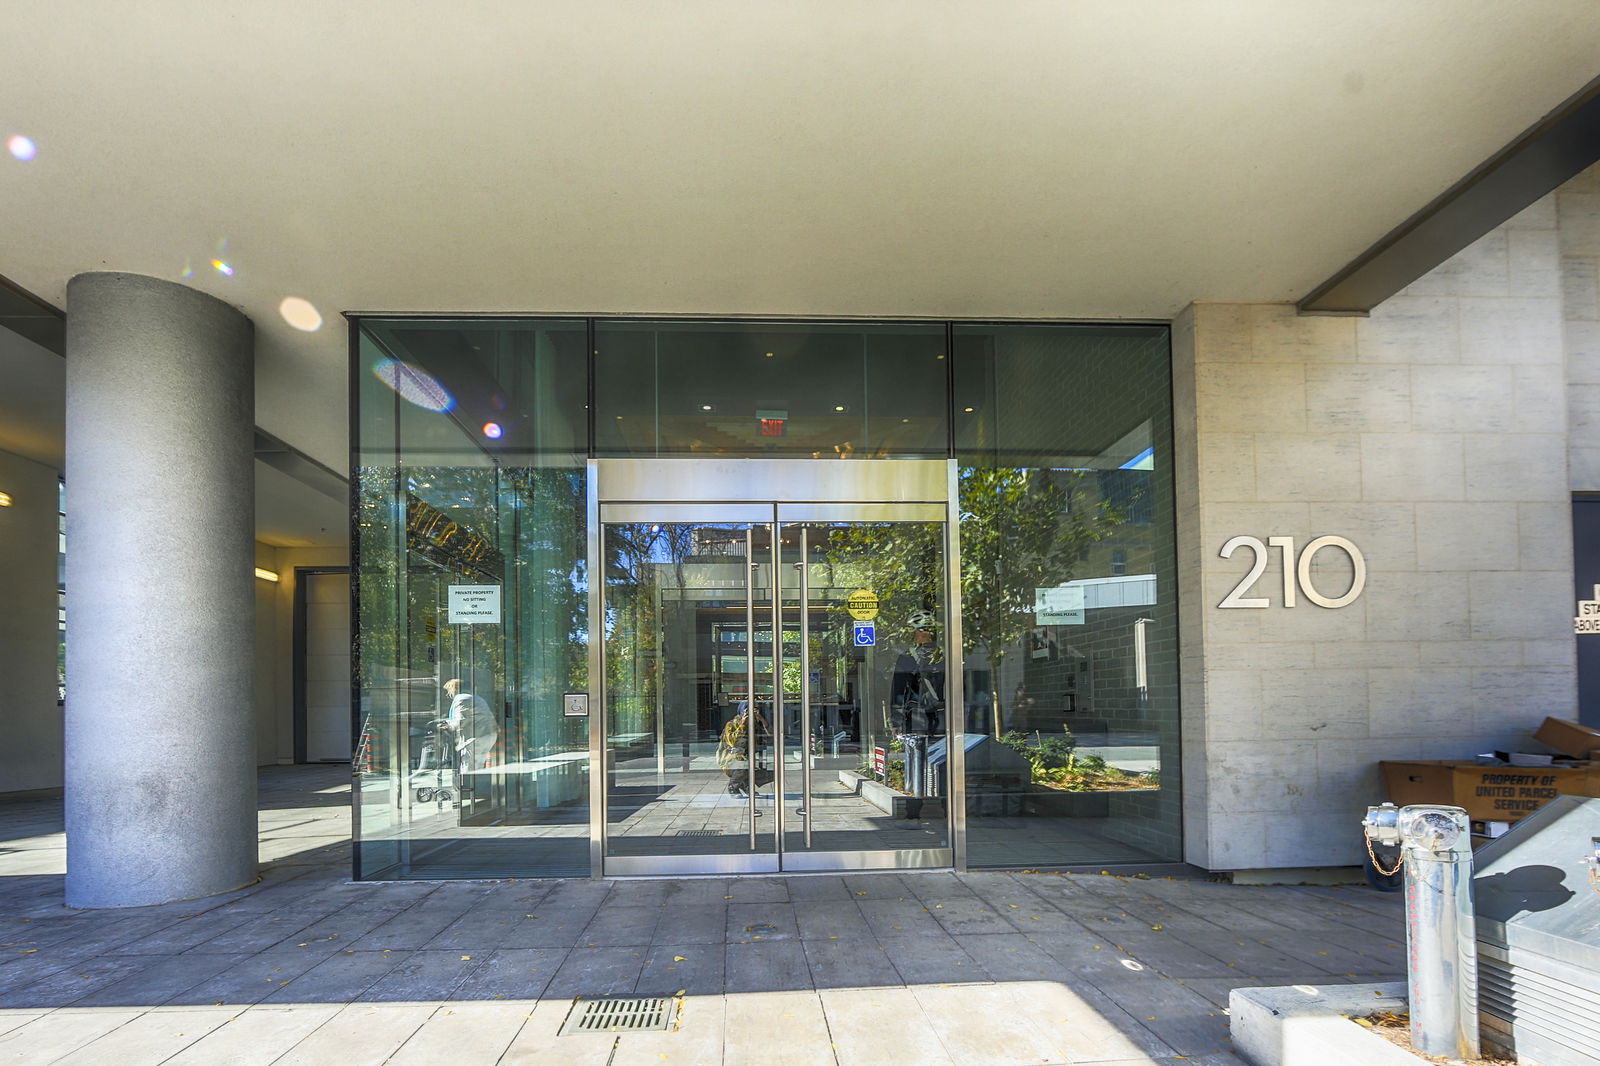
(955, 696)
(811, 491)
(677, 481)
(796, 516)
(754, 517)
(594, 573)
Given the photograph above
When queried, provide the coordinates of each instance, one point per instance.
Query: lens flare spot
(300, 314)
(21, 147)
(222, 268)
(493, 430)
(414, 385)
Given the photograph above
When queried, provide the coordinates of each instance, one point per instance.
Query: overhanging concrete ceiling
(904, 157)
(298, 503)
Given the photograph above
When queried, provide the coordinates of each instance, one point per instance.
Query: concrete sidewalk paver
(975, 1023)
(776, 1029)
(874, 1026)
(48, 1037)
(255, 1037)
(983, 968)
(149, 1039)
(361, 1034)
(14, 1019)
(460, 1033)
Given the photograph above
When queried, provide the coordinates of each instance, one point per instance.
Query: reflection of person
(733, 752)
(472, 723)
(917, 687)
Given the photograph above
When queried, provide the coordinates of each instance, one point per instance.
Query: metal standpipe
(1441, 934)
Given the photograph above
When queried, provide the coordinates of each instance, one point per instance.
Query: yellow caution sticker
(862, 605)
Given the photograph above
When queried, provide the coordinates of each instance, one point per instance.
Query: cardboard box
(1569, 738)
(1488, 793)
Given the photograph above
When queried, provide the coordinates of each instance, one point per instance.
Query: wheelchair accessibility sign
(865, 634)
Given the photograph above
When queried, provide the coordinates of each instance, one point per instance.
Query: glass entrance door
(774, 687)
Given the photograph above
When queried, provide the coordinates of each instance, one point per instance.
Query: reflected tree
(1022, 529)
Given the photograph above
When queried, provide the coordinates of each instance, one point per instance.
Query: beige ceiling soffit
(29, 317)
(1563, 144)
(289, 460)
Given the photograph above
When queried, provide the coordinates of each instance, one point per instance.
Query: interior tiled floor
(688, 808)
(306, 967)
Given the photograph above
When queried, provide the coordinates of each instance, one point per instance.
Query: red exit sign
(771, 427)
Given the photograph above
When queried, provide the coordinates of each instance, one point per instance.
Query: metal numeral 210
(1296, 572)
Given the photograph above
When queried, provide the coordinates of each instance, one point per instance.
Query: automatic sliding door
(775, 690)
(690, 662)
(866, 770)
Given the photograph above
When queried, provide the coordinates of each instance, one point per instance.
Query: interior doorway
(322, 664)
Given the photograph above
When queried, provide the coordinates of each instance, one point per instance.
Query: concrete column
(160, 752)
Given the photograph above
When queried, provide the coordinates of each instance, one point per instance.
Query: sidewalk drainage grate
(699, 832)
(635, 1014)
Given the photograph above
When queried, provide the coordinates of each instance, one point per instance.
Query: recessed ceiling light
(705, 407)
(300, 313)
(967, 409)
(840, 407)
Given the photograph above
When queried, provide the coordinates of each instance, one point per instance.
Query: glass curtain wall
(771, 390)
(470, 538)
(471, 545)
(1069, 609)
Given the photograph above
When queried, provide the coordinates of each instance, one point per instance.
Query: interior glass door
(773, 688)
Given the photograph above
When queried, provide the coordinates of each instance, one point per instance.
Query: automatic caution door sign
(862, 605)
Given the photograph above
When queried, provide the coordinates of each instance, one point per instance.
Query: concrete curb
(1305, 1025)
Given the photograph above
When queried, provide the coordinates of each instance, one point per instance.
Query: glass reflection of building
(473, 443)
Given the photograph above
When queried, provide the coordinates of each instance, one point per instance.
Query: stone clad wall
(1578, 218)
(1433, 435)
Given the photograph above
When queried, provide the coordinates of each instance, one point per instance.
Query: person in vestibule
(472, 725)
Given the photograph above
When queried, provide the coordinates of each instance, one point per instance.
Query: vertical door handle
(805, 687)
(779, 726)
(750, 677)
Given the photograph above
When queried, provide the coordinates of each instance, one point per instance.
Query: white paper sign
(470, 604)
(1059, 606)
(1587, 619)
